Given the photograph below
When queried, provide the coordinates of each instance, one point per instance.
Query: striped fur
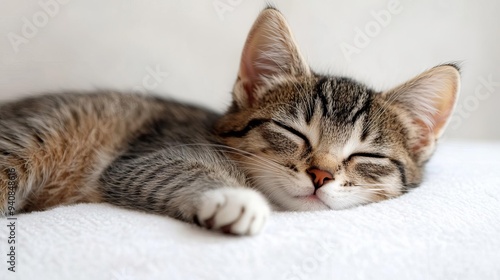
(223, 171)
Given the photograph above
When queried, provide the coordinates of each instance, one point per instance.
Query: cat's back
(100, 116)
(79, 108)
(65, 140)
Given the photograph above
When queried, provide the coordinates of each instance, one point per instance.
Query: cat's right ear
(429, 100)
(270, 53)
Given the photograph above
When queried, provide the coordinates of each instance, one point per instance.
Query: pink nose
(319, 177)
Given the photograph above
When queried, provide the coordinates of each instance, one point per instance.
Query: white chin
(340, 201)
(303, 203)
(340, 205)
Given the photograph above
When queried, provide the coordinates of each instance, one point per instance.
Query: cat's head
(311, 141)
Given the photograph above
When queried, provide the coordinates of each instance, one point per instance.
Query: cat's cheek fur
(238, 211)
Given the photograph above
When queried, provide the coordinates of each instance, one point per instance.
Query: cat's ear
(429, 100)
(270, 52)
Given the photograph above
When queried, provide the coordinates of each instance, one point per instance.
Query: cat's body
(70, 139)
(296, 139)
(136, 151)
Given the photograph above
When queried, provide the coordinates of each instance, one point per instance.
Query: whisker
(235, 151)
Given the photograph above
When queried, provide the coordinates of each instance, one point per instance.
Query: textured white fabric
(449, 228)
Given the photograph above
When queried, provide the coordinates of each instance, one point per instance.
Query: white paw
(237, 211)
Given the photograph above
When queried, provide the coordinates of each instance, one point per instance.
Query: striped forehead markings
(318, 96)
(322, 94)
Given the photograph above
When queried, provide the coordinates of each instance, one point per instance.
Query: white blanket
(449, 228)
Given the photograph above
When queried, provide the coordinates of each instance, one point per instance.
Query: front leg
(240, 211)
(209, 192)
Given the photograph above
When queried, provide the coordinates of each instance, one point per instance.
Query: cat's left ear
(429, 99)
(270, 52)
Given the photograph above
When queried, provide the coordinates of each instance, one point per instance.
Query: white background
(88, 44)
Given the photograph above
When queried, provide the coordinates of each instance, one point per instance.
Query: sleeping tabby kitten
(292, 138)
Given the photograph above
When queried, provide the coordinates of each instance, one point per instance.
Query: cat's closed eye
(292, 131)
(284, 139)
(366, 155)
